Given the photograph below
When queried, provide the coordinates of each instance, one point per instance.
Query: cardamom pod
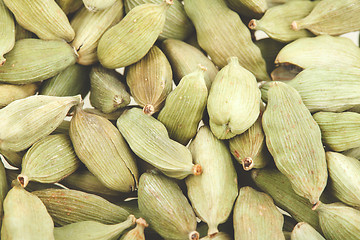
(353, 152)
(13, 158)
(285, 72)
(3, 190)
(304, 231)
(22, 33)
(10, 92)
(269, 50)
(98, 5)
(138, 232)
(69, 6)
(248, 8)
(7, 31)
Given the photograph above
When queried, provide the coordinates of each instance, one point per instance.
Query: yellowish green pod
(138, 232)
(248, 8)
(69, 6)
(98, 5)
(10, 92)
(269, 50)
(304, 231)
(7, 31)
(13, 158)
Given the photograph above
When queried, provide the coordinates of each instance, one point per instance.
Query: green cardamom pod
(22, 33)
(353, 152)
(10, 92)
(13, 158)
(304, 231)
(269, 50)
(3, 190)
(98, 5)
(248, 8)
(110, 116)
(7, 31)
(69, 6)
(138, 232)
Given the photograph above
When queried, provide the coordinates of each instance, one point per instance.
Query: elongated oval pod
(320, 51)
(339, 221)
(43, 17)
(69, 206)
(256, 216)
(150, 80)
(249, 8)
(340, 131)
(13, 158)
(25, 121)
(103, 150)
(234, 101)
(165, 207)
(7, 31)
(129, 40)
(34, 60)
(177, 24)
(269, 50)
(185, 59)
(10, 92)
(138, 232)
(304, 231)
(25, 217)
(218, 236)
(150, 141)
(89, 27)
(218, 182)
(69, 6)
(184, 107)
(91, 230)
(98, 5)
(221, 33)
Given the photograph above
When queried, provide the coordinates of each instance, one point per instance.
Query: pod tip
(248, 163)
(197, 170)
(169, 2)
(194, 235)
(2, 60)
(23, 180)
(149, 109)
(253, 24)
(142, 222)
(295, 26)
(315, 206)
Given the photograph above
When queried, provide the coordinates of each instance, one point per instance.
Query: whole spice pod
(3, 189)
(218, 236)
(320, 51)
(43, 17)
(276, 21)
(248, 8)
(22, 33)
(10, 92)
(177, 24)
(90, 230)
(25, 121)
(339, 221)
(69, 6)
(13, 158)
(294, 140)
(107, 93)
(165, 208)
(269, 50)
(7, 31)
(218, 182)
(98, 5)
(331, 17)
(234, 101)
(69, 206)
(353, 152)
(90, 26)
(184, 107)
(150, 80)
(110, 116)
(256, 216)
(150, 141)
(34, 60)
(49, 160)
(138, 232)
(25, 217)
(71, 81)
(304, 231)
(129, 40)
(103, 150)
(221, 33)
(340, 131)
(185, 59)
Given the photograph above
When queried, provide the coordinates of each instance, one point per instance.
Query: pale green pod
(91, 230)
(90, 26)
(69, 6)
(100, 146)
(98, 5)
(63, 128)
(49, 160)
(150, 141)
(25, 121)
(7, 31)
(138, 232)
(34, 60)
(10, 92)
(13, 158)
(22, 33)
(331, 17)
(69, 206)
(218, 236)
(221, 33)
(277, 20)
(353, 152)
(269, 50)
(165, 208)
(185, 59)
(304, 231)
(340, 131)
(184, 107)
(107, 93)
(218, 182)
(150, 80)
(234, 101)
(248, 8)
(320, 51)
(3, 190)
(177, 24)
(129, 40)
(25, 217)
(272, 3)
(110, 116)
(256, 216)
(43, 17)
(339, 221)
(294, 140)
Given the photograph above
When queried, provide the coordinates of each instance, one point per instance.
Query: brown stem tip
(252, 24)
(314, 207)
(169, 2)
(142, 222)
(248, 163)
(295, 26)
(149, 109)
(23, 180)
(194, 235)
(197, 170)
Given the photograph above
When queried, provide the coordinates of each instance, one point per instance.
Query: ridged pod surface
(150, 141)
(256, 216)
(43, 17)
(340, 131)
(129, 40)
(277, 20)
(249, 8)
(33, 60)
(184, 107)
(69, 6)
(7, 31)
(98, 5)
(138, 232)
(25, 121)
(221, 33)
(22, 33)
(10, 92)
(13, 158)
(294, 140)
(177, 24)
(304, 231)
(218, 182)
(89, 27)
(353, 152)
(150, 80)
(165, 208)
(103, 150)
(234, 101)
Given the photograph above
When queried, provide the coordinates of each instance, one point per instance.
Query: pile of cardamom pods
(194, 129)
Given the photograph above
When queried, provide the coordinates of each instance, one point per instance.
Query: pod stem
(315, 206)
(194, 235)
(248, 163)
(295, 26)
(2, 60)
(149, 109)
(197, 170)
(212, 231)
(253, 24)
(23, 180)
(169, 2)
